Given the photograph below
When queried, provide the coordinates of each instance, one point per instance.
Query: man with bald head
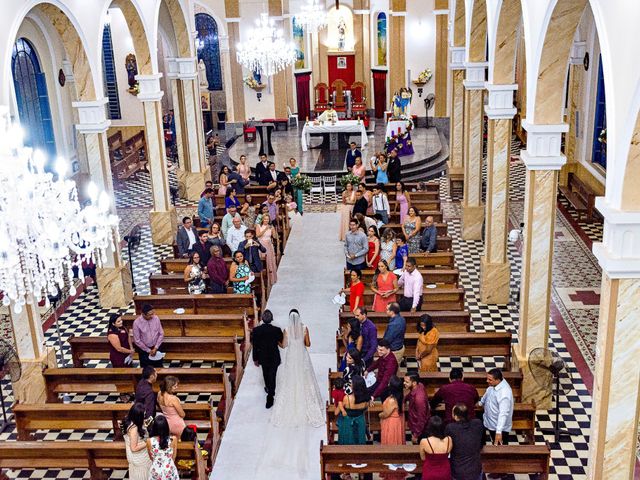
(235, 235)
(429, 236)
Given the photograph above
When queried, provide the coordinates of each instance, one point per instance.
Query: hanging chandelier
(266, 51)
(313, 16)
(44, 233)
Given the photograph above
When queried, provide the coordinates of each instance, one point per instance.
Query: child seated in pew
(337, 392)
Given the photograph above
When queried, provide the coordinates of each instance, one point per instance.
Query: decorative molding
(149, 87)
(224, 43)
(441, 12)
(233, 19)
(182, 68)
(67, 68)
(543, 146)
(362, 12)
(398, 14)
(92, 116)
(619, 252)
(578, 49)
(500, 101)
(475, 75)
(457, 58)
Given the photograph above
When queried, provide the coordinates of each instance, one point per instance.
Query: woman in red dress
(434, 451)
(385, 284)
(356, 290)
(373, 255)
(119, 346)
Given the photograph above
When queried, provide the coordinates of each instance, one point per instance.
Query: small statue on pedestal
(202, 74)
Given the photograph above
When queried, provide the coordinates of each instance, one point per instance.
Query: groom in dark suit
(265, 339)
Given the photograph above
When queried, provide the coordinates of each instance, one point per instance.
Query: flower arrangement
(251, 82)
(349, 178)
(301, 182)
(602, 138)
(424, 76)
(397, 140)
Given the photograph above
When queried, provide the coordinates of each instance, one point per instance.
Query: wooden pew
(95, 456)
(436, 214)
(448, 277)
(420, 204)
(580, 195)
(442, 228)
(446, 321)
(430, 260)
(439, 298)
(454, 344)
(515, 459)
(204, 303)
(201, 325)
(420, 187)
(523, 422)
(100, 416)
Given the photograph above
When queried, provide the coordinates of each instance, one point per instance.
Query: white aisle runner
(310, 274)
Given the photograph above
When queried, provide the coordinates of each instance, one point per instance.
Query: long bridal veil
(298, 400)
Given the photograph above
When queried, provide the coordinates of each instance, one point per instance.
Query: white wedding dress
(298, 401)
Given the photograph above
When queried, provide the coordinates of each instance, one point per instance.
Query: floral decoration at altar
(400, 141)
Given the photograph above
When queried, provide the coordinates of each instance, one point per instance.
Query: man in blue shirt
(205, 209)
(395, 331)
(352, 154)
(429, 236)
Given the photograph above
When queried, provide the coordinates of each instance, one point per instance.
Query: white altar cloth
(341, 126)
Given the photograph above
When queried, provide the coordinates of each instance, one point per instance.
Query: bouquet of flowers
(301, 182)
(349, 178)
(251, 82)
(425, 75)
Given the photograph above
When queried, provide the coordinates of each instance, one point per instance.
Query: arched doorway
(208, 44)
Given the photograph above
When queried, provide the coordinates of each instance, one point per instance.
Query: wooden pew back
(446, 321)
(444, 276)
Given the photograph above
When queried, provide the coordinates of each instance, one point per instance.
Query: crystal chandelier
(266, 51)
(313, 16)
(44, 233)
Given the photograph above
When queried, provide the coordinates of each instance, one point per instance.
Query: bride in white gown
(298, 400)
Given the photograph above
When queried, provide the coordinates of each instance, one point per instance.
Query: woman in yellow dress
(427, 348)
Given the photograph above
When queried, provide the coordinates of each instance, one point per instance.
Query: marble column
(495, 272)
(193, 171)
(543, 160)
(616, 391)
(279, 82)
(397, 68)
(442, 54)
(456, 109)
(225, 61)
(114, 277)
(163, 217)
(472, 207)
(232, 13)
(81, 151)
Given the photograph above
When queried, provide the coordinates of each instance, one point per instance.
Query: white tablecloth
(395, 126)
(341, 126)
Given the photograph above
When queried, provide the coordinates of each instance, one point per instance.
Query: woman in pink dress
(402, 199)
(385, 283)
(359, 169)
(223, 180)
(170, 405)
(392, 421)
(244, 170)
(265, 233)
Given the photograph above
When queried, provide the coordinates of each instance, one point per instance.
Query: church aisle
(309, 275)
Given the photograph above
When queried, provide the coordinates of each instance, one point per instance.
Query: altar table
(341, 126)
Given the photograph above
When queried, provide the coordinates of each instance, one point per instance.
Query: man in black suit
(361, 204)
(352, 154)
(265, 339)
(251, 249)
(261, 169)
(203, 247)
(394, 166)
(270, 179)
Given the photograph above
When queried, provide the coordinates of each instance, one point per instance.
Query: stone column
(543, 160)
(442, 54)
(232, 13)
(114, 277)
(494, 264)
(279, 79)
(456, 109)
(616, 391)
(193, 171)
(472, 207)
(225, 62)
(163, 217)
(396, 57)
(81, 151)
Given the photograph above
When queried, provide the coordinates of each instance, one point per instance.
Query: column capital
(67, 68)
(149, 87)
(362, 12)
(457, 58)
(233, 19)
(619, 252)
(182, 68)
(578, 49)
(475, 75)
(500, 101)
(92, 116)
(543, 146)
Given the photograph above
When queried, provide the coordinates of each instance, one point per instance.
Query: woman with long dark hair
(134, 432)
(392, 420)
(352, 428)
(427, 347)
(162, 448)
(384, 285)
(351, 338)
(354, 366)
(434, 450)
(120, 350)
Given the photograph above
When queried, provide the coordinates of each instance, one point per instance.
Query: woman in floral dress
(162, 448)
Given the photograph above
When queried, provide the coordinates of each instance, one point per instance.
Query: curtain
(302, 92)
(380, 91)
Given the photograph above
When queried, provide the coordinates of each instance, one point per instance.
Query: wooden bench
(439, 298)
(201, 325)
(442, 229)
(242, 304)
(438, 216)
(454, 344)
(580, 195)
(420, 204)
(515, 459)
(523, 421)
(99, 416)
(430, 276)
(437, 259)
(455, 178)
(446, 321)
(95, 456)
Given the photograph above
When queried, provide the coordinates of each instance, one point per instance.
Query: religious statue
(131, 65)
(402, 103)
(342, 31)
(202, 74)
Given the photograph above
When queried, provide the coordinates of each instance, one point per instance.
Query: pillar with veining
(113, 277)
(193, 171)
(543, 160)
(616, 390)
(495, 271)
(232, 14)
(81, 152)
(456, 117)
(397, 68)
(472, 207)
(225, 62)
(278, 81)
(441, 73)
(163, 217)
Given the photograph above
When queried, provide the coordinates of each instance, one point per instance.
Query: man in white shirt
(412, 281)
(235, 235)
(227, 220)
(498, 407)
(380, 203)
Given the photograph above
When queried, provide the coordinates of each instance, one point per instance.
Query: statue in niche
(402, 103)
(202, 74)
(342, 31)
(132, 70)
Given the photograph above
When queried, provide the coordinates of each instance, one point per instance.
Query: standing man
(251, 249)
(429, 236)
(381, 203)
(203, 248)
(413, 282)
(148, 336)
(186, 237)
(369, 334)
(394, 166)
(467, 437)
(387, 367)
(456, 391)
(361, 205)
(356, 247)
(261, 170)
(240, 182)
(498, 407)
(144, 391)
(235, 235)
(418, 409)
(205, 209)
(396, 328)
(270, 179)
(352, 154)
(265, 339)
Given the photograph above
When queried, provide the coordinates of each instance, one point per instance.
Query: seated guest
(227, 220)
(202, 248)
(434, 451)
(215, 237)
(386, 366)
(351, 338)
(186, 237)
(427, 347)
(467, 437)
(235, 235)
(171, 407)
(369, 335)
(120, 351)
(206, 211)
(147, 336)
(231, 198)
(429, 236)
(412, 283)
(218, 271)
(395, 331)
(361, 204)
(134, 440)
(271, 204)
(194, 275)
(239, 274)
(284, 184)
(498, 407)
(418, 411)
(270, 178)
(238, 181)
(144, 391)
(402, 252)
(251, 249)
(456, 391)
(352, 426)
(355, 290)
